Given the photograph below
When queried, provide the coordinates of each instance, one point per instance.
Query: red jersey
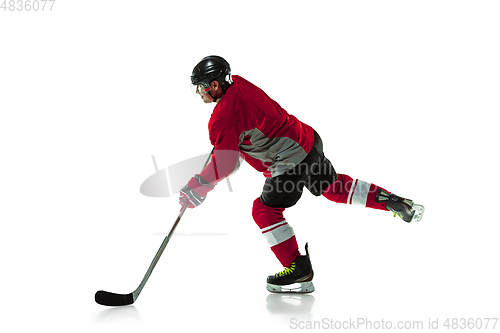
(248, 122)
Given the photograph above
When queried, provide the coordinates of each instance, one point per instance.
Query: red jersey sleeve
(225, 140)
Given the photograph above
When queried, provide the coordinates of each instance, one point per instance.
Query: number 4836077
(27, 5)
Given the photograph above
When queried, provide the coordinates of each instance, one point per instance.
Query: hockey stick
(111, 299)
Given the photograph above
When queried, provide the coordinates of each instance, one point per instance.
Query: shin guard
(278, 233)
(354, 192)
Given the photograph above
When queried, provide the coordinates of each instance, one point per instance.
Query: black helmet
(212, 68)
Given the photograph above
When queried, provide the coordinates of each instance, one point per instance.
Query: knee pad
(264, 215)
(322, 176)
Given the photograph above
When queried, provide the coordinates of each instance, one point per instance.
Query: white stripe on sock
(353, 186)
(360, 194)
(273, 226)
(278, 235)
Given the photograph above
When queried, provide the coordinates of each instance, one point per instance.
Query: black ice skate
(294, 279)
(404, 208)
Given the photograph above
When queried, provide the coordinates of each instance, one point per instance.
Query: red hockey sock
(278, 233)
(354, 192)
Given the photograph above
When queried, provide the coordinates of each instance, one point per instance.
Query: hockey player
(247, 123)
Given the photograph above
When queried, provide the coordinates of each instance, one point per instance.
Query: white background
(403, 93)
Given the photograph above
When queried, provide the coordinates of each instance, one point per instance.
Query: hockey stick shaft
(159, 253)
(111, 299)
(164, 244)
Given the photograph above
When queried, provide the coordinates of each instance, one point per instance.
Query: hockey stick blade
(111, 299)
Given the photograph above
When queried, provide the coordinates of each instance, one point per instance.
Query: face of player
(203, 92)
(214, 90)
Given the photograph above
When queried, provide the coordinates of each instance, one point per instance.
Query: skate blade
(419, 212)
(298, 288)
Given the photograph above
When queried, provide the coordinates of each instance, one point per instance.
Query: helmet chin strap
(215, 99)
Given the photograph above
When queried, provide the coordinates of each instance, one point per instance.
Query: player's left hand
(195, 192)
(193, 198)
